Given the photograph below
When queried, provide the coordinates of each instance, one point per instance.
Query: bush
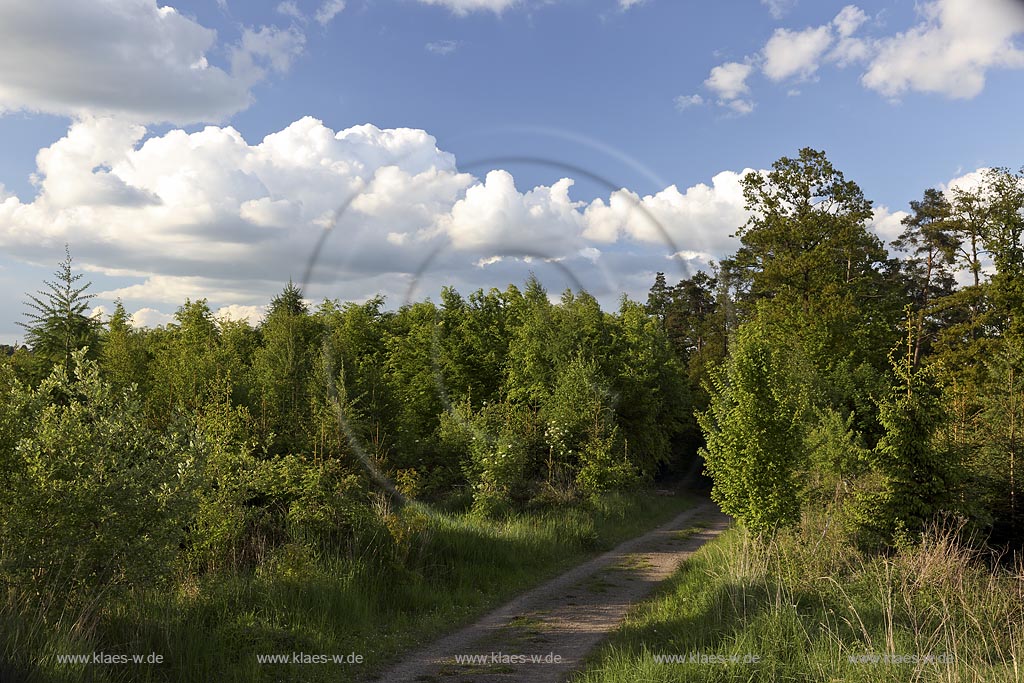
(247, 505)
(93, 498)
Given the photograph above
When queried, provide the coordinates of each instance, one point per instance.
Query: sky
(218, 148)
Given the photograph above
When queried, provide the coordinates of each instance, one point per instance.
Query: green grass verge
(810, 607)
(453, 567)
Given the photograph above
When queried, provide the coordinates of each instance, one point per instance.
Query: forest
(815, 374)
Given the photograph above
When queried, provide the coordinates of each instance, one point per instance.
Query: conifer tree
(58, 324)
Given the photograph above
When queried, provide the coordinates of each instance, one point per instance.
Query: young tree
(918, 480)
(123, 360)
(282, 368)
(754, 429)
(186, 363)
(94, 498)
(530, 369)
(58, 324)
(1003, 435)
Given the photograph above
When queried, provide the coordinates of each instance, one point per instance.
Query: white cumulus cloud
(130, 58)
(795, 54)
(729, 82)
(701, 219)
(950, 51)
(208, 214)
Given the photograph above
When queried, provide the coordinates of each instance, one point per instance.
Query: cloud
(950, 51)
(849, 19)
(795, 54)
(267, 47)
(887, 224)
(495, 216)
(684, 102)
(779, 8)
(792, 55)
(290, 9)
(966, 182)
(151, 317)
(701, 219)
(627, 4)
(130, 58)
(729, 82)
(251, 314)
(208, 214)
(328, 10)
(443, 47)
(464, 7)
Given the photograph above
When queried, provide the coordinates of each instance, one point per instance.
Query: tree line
(886, 388)
(810, 368)
(130, 454)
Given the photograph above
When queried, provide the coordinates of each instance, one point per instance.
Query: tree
(806, 247)
(928, 239)
(585, 446)
(186, 365)
(530, 370)
(967, 215)
(1002, 438)
(918, 480)
(94, 498)
(1004, 240)
(282, 368)
(754, 429)
(123, 360)
(653, 405)
(58, 325)
(659, 298)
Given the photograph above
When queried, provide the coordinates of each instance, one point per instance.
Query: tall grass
(811, 607)
(425, 573)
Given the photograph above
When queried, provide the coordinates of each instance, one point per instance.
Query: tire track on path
(543, 635)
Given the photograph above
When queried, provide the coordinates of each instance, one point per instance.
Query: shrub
(93, 497)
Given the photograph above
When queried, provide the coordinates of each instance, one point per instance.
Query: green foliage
(58, 324)
(186, 365)
(123, 358)
(1003, 237)
(502, 442)
(1000, 442)
(754, 428)
(281, 369)
(806, 247)
(208, 451)
(93, 497)
(654, 403)
(585, 450)
(917, 480)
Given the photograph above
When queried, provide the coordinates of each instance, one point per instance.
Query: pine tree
(58, 324)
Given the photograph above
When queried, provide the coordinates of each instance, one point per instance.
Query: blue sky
(135, 132)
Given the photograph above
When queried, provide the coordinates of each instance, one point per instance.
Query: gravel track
(567, 617)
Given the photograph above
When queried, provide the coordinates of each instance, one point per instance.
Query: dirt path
(562, 620)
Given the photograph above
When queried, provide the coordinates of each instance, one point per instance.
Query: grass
(811, 607)
(446, 569)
